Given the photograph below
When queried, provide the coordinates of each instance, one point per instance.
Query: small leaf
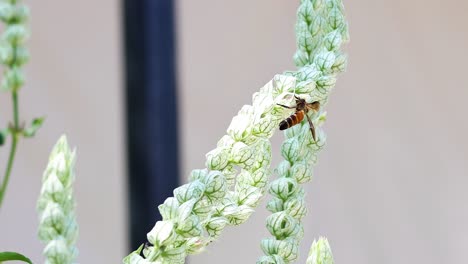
(7, 256)
(35, 125)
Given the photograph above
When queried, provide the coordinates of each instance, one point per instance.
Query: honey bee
(302, 108)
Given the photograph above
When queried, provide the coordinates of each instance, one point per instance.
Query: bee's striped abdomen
(292, 120)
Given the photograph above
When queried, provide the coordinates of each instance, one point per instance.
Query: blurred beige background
(74, 79)
(389, 187)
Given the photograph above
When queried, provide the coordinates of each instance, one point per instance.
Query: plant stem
(14, 143)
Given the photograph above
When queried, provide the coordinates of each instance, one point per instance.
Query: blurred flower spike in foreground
(320, 252)
(58, 228)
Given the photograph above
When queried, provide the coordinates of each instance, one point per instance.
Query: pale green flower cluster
(321, 30)
(228, 190)
(13, 53)
(320, 252)
(237, 170)
(288, 205)
(58, 228)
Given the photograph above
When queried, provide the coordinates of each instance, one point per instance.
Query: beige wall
(74, 78)
(389, 185)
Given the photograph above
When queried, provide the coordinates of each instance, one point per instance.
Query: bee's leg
(312, 128)
(289, 107)
(147, 244)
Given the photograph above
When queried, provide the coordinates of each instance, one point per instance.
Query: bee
(302, 108)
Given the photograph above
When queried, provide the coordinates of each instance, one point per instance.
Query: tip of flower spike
(320, 252)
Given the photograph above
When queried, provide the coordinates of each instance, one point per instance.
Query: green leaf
(32, 129)
(7, 256)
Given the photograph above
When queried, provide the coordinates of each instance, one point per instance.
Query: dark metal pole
(152, 138)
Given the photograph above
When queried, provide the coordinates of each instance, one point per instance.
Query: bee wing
(314, 105)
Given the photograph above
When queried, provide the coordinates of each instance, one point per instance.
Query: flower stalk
(13, 55)
(321, 29)
(58, 228)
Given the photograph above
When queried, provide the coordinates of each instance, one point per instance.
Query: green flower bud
(281, 225)
(7, 11)
(272, 259)
(301, 58)
(333, 40)
(15, 34)
(6, 54)
(320, 252)
(301, 172)
(325, 60)
(290, 149)
(296, 208)
(283, 168)
(275, 205)
(13, 79)
(58, 228)
(283, 188)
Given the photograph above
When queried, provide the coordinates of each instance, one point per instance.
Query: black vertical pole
(151, 111)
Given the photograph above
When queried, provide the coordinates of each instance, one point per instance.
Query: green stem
(14, 143)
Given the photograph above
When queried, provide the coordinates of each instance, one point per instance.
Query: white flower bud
(215, 225)
(287, 250)
(169, 208)
(239, 215)
(240, 127)
(185, 210)
(260, 177)
(162, 233)
(217, 159)
(193, 190)
(203, 207)
(241, 154)
(249, 195)
(189, 226)
(197, 174)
